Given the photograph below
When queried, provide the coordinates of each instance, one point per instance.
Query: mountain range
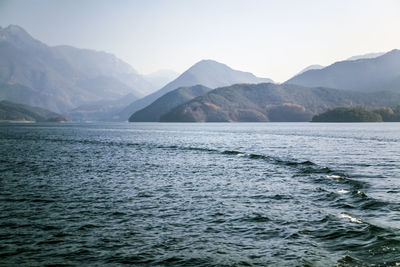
(363, 75)
(271, 102)
(62, 78)
(344, 85)
(88, 85)
(208, 73)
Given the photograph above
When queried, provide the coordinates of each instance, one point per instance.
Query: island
(359, 114)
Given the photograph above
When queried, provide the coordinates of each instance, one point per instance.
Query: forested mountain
(208, 73)
(10, 111)
(179, 96)
(272, 102)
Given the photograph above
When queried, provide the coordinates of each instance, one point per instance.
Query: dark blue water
(285, 194)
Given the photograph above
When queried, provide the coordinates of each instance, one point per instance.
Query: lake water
(234, 194)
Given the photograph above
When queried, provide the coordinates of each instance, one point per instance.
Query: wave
(351, 218)
(319, 173)
(306, 167)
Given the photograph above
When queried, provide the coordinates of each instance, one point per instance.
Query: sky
(273, 39)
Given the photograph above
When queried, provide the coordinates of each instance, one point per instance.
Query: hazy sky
(273, 39)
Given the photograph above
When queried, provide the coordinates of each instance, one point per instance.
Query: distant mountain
(61, 78)
(170, 100)
(161, 78)
(311, 67)
(364, 75)
(208, 73)
(318, 67)
(104, 110)
(271, 102)
(10, 111)
(101, 64)
(369, 55)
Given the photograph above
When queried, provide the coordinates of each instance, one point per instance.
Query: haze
(274, 39)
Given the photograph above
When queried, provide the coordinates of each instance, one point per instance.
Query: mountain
(101, 64)
(369, 55)
(208, 73)
(103, 110)
(364, 75)
(10, 111)
(318, 67)
(311, 67)
(271, 102)
(160, 78)
(61, 78)
(170, 100)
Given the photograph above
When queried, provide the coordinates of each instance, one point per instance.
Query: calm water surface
(284, 194)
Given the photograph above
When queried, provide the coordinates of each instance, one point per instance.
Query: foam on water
(351, 218)
(333, 176)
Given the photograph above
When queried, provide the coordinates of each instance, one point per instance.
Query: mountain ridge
(61, 78)
(208, 73)
(364, 74)
(271, 102)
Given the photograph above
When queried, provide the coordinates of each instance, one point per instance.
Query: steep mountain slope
(100, 64)
(60, 78)
(364, 75)
(271, 102)
(170, 100)
(10, 111)
(209, 73)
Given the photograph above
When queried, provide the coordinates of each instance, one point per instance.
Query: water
(284, 194)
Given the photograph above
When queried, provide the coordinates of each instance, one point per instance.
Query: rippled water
(284, 194)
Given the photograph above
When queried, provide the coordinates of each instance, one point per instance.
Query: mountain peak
(207, 72)
(208, 63)
(393, 52)
(15, 30)
(20, 38)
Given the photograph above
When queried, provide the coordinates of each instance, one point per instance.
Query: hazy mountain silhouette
(103, 110)
(61, 78)
(271, 102)
(208, 73)
(369, 55)
(364, 75)
(311, 67)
